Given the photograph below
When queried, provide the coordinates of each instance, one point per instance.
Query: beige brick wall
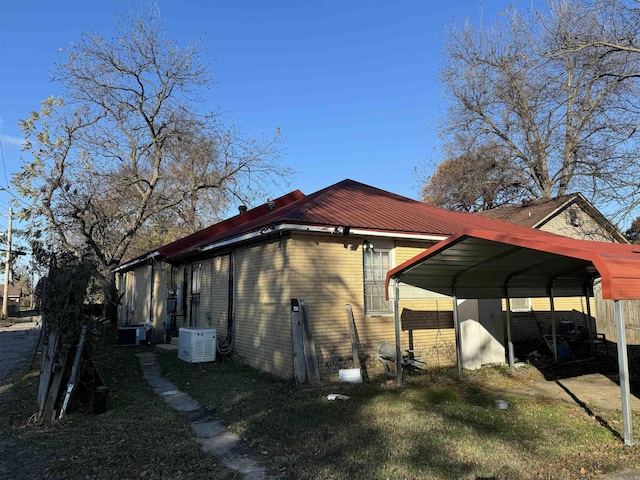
(328, 273)
(262, 307)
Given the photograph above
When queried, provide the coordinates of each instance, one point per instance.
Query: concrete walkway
(211, 433)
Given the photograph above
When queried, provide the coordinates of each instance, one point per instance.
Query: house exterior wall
(327, 272)
(436, 345)
(214, 294)
(262, 321)
(159, 305)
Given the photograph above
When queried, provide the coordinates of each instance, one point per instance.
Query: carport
(481, 264)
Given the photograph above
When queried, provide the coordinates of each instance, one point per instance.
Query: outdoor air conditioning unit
(197, 344)
(132, 335)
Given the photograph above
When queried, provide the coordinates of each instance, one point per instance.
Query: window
(376, 263)
(520, 304)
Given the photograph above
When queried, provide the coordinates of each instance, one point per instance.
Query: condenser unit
(197, 344)
(132, 335)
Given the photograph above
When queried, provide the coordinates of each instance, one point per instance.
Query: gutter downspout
(396, 314)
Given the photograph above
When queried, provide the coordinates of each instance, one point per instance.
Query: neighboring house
(330, 248)
(570, 216)
(13, 302)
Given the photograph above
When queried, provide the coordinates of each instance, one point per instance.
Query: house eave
(136, 262)
(331, 230)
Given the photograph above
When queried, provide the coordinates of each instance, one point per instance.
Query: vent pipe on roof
(271, 205)
(242, 209)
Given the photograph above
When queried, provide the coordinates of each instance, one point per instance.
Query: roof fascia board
(317, 229)
(137, 261)
(555, 212)
(404, 236)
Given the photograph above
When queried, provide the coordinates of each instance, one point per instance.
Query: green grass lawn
(437, 427)
(138, 437)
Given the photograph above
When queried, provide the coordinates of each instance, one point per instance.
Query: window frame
(377, 285)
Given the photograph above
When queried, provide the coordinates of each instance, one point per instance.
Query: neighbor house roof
(536, 213)
(15, 290)
(348, 207)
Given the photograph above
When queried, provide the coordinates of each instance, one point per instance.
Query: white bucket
(351, 375)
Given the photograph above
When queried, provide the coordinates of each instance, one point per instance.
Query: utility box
(197, 344)
(132, 335)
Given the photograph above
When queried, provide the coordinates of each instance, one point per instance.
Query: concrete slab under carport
(595, 390)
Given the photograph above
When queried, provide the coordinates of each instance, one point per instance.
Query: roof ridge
(321, 198)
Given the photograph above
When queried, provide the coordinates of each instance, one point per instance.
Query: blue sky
(352, 85)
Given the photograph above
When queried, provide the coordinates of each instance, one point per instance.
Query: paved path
(17, 343)
(212, 434)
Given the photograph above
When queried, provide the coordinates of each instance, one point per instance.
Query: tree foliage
(478, 180)
(546, 87)
(633, 232)
(127, 149)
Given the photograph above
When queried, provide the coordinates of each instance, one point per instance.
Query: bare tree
(479, 180)
(128, 150)
(565, 116)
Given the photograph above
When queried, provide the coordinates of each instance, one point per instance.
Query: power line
(4, 166)
(8, 190)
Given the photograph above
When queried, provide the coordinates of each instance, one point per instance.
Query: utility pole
(7, 268)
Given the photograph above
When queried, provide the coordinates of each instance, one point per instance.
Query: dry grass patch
(437, 427)
(138, 437)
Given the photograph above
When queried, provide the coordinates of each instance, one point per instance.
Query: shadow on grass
(436, 429)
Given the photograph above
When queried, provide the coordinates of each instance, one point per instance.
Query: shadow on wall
(531, 325)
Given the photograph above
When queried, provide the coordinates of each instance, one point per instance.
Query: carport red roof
(485, 263)
(347, 203)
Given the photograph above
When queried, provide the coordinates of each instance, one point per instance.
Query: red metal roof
(220, 230)
(347, 203)
(482, 263)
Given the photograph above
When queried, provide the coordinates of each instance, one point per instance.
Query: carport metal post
(623, 366)
(592, 346)
(396, 315)
(509, 339)
(456, 329)
(554, 333)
